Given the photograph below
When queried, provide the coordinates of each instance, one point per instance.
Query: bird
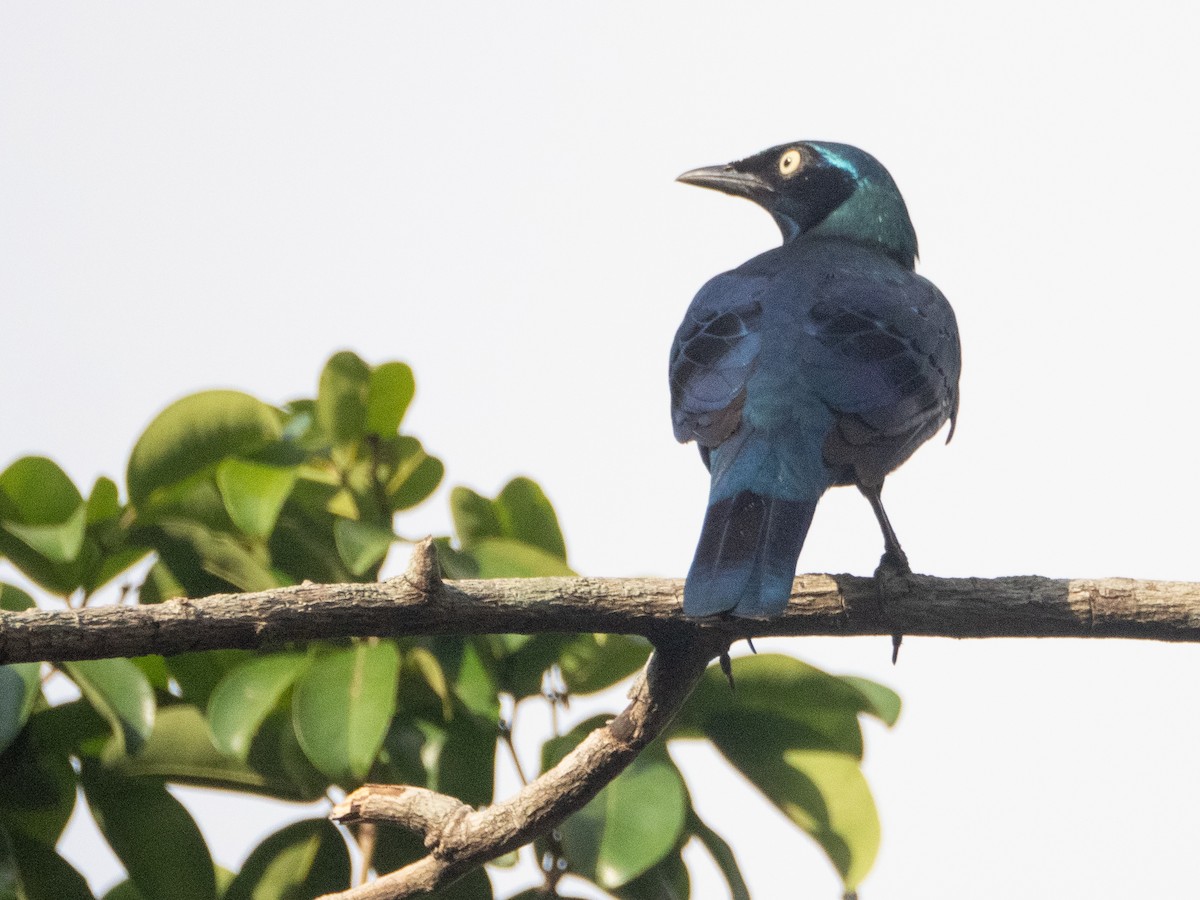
(825, 361)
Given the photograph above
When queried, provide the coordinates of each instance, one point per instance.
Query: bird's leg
(894, 562)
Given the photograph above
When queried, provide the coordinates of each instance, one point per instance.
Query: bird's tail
(746, 557)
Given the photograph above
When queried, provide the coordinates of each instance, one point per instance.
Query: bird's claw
(893, 567)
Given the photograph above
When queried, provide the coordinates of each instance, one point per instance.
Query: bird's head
(821, 189)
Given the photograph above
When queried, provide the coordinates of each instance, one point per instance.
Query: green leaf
(200, 550)
(793, 731)
(465, 760)
(361, 545)
(416, 484)
(104, 502)
(342, 398)
(806, 708)
(10, 875)
(472, 886)
(527, 516)
(198, 674)
(13, 599)
(632, 824)
(160, 584)
(254, 493)
(881, 702)
(342, 706)
(422, 664)
(19, 687)
(521, 669)
(592, 662)
(390, 391)
(195, 433)
(501, 558)
(35, 491)
(843, 819)
(305, 859)
(667, 878)
(722, 855)
(244, 698)
(111, 565)
(821, 791)
(396, 848)
(118, 690)
(180, 750)
(475, 517)
(58, 543)
(124, 890)
(37, 790)
(44, 874)
(152, 834)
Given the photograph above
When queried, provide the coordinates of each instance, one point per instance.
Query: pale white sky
(222, 194)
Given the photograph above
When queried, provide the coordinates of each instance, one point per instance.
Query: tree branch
(460, 838)
(418, 603)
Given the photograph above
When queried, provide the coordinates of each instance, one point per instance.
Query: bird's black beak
(728, 180)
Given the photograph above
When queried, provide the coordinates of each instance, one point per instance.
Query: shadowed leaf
(195, 433)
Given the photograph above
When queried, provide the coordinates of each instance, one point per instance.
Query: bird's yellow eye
(789, 162)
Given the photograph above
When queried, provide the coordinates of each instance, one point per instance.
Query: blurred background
(221, 195)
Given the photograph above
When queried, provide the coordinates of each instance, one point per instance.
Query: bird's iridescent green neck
(875, 216)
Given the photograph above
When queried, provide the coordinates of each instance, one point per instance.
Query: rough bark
(418, 603)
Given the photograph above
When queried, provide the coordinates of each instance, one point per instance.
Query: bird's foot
(892, 578)
(727, 668)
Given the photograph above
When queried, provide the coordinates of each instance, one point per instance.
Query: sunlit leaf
(104, 502)
(428, 671)
(118, 690)
(882, 702)
(195, 433)
(823, 792)
(412, 485)
(244, 698)
(502, 558)
(59, 543)
(254, 493)
(342, 706)
(389, 392)
(527, 516)
(342, 397)
(35, 491)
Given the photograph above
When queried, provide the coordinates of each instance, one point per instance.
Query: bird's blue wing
(715, 352)
(882, 352)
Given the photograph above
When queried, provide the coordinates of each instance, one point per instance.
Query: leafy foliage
(228, 493)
